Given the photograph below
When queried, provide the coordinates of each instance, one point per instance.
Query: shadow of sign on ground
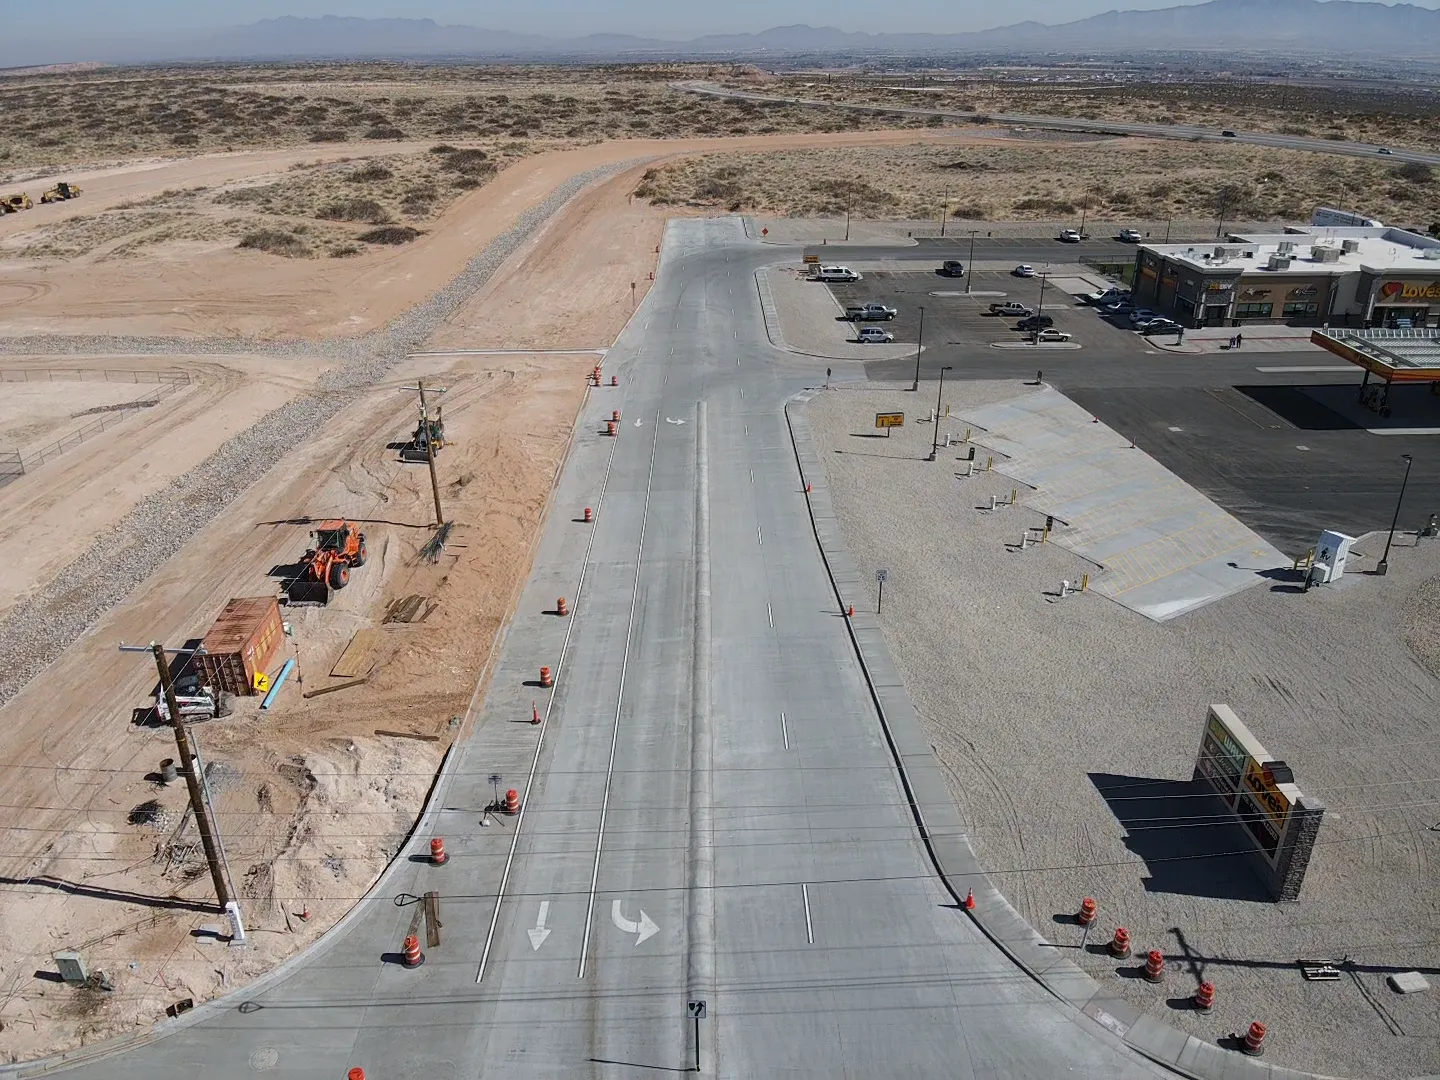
(1185, 834)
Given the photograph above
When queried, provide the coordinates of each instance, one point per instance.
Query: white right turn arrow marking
(642, 929)
(539, 933)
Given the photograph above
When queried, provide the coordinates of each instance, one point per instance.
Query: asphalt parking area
(955, 318)
(1286, 472)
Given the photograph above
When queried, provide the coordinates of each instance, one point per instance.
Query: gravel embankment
(1035, 705)
(39, 628)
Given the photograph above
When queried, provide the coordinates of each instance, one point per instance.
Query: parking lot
(955, 318)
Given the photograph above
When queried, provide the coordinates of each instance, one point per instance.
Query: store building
(1307, 275)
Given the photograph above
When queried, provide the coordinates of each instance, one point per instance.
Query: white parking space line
(784, 731)
(809, 926)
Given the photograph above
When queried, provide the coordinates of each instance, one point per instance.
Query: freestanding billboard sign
(1260, 791)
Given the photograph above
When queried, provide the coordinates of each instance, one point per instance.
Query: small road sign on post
(881, 576)
(888, 420)
(696, 1011)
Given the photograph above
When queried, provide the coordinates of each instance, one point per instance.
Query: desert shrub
(344, 251)
(328, 135)
(1044, 205)
(384, 131)
(185, 139)
(442, 148)
(275, 242)
(467, 160)
(1417, 172)
(1294, 129)
(970, 213)
(370, 173)
(390, 234)
(367, 210)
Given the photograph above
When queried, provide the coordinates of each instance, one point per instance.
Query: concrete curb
(944, 835)
(770, 315)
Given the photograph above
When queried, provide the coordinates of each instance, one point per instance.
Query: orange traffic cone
(412, 956)
(437, 852)
(969, 899)
(534, 713)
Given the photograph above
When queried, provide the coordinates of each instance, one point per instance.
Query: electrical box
(72, 968)
(1331, 551)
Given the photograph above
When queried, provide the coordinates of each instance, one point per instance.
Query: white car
(1070, 236)
(871, 334)
(1113, 295)
(1143, 315)
(836, 273)
(1129, 236)
(1051, 334)
(1024, 270)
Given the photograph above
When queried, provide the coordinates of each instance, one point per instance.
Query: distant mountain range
(1339, 27)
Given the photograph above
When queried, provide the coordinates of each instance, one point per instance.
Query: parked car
(1035, 322)
(1161, 326)
(1145, 320)
(1129, 236)
(869, 312)
(1070, 236)
(1010, 307)
(953, 268)
(1051, 334)
(1142, 315)
(1024, 270)
(1227, 133)
(1113, 295)
(873, 334)
(836, 273)
(1119, 307)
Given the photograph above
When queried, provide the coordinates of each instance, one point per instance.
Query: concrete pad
(1161, 547)
(1408, 982)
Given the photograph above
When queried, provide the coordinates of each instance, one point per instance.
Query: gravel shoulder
(1033, 706)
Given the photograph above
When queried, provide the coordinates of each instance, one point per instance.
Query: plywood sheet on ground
(357, 659)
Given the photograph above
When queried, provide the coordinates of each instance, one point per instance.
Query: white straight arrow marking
(642, 929)
(539, 934)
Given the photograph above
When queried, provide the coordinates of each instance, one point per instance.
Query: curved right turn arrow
(642, 929)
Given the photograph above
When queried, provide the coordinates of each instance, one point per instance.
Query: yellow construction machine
(13, 204)
(60, 192)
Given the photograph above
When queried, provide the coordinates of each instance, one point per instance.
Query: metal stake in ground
(880, 578)
(935, 437)
(1383, 566)
(187, 766)
(696, 1009)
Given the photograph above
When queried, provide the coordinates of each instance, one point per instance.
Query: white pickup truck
(196, 701)
(1010, 308)
(869, 312)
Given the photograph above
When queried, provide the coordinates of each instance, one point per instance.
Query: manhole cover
(267, 1057)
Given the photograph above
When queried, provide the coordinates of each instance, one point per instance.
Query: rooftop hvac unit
(1285, 247)
(1221, 253)
(1278, 262)
(1324, 254)
(1350, 246)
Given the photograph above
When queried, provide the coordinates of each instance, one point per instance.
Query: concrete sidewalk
(1261, 339)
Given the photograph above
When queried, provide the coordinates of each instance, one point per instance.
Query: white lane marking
(540, 741)
(539, 934)
(670, 421)
(760, 536)
(752, 476)
(809, 926)
(1302, 369)
(769, 616)
(619, 703)
(747, 429)
(643, 928)
(639, 422)
(742, 394)
(784, 731)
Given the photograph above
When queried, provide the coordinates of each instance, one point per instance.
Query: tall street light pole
(848, 193)
(970, 270)
(944, 211)
(919, 344)
(935, 438)
(1383, 566)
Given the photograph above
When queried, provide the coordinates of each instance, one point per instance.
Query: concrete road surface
(1189, 132)
(711, 810)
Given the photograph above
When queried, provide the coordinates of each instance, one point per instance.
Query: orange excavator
(337, 548)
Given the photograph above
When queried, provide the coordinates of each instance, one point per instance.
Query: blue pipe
(279, 682)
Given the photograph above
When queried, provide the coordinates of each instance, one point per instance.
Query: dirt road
(204, 290)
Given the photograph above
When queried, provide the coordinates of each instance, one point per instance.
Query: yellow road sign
(889, 419)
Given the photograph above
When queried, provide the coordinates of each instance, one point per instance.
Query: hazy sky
(662, 18)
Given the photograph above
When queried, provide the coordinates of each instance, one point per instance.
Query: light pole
(935, 438)
(1167, 230)
(1040, 307)
(944, 211)
(970, 270)
(848, 193)
(1383, 567)
(919, 344)
(1084, 209)
(1224, 205)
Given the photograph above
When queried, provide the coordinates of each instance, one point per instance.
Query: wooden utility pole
(429, 447)
(187, 767)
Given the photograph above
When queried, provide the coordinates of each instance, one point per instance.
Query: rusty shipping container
(243, 640)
